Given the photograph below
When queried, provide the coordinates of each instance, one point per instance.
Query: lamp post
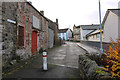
(101, 49)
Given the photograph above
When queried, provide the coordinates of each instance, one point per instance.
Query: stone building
(1, 40)
(56, 31)
(9, 32)
(23, 31)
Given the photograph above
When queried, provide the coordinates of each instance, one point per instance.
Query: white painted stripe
(72, 67)
(64, 65)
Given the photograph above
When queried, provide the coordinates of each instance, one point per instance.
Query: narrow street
(62, 63)
(66, 55)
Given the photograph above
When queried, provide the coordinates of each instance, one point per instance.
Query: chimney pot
(56, 21)
(42, 12)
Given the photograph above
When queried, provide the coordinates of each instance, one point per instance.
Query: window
(21, 36)
(36, 22)
(97, 36)
(93, 37)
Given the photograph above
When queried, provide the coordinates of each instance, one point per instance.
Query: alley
(66, 55)
(62, 63)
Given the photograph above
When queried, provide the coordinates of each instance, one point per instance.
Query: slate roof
(63, 30)
(115, 11)
(94, 32)
(89, 27)
(51, 24)
(36, 10)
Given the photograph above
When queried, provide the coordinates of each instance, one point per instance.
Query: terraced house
(24, 31)
(111, 23)
(65, 34)
(81, 31)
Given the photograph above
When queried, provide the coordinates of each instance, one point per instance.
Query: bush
(112, 58)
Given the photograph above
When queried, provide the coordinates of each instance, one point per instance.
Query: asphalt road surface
(62, 63)
(66, 55)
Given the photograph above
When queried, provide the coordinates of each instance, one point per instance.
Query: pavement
(62, 63)
(89, 49)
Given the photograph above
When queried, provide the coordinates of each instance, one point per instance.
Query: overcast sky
(70, 12)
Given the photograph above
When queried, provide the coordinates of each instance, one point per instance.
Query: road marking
(64, 65)
(59, 56)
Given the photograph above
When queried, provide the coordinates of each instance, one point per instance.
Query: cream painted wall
(81, 33)
(111, 27)
(94, 39)
(69, 34)
(119, 22)
(119, 4)
(119, 27)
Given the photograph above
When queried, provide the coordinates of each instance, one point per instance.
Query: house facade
(111, 23)
(65, 34)
(81, 31)
(24, 31)
(76, 33)
(94, 36)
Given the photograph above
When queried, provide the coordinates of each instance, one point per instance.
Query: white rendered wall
(111, 27)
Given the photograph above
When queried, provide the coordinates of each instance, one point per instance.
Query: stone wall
(24, 19)
(56, 40)
(1, 40)
(46, 36)
(17, 15)
(90, 69)
(9, 32)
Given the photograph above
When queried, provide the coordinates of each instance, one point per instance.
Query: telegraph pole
(101, 49)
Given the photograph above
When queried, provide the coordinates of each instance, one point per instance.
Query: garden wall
(90, 69)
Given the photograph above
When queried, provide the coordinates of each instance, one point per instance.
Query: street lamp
(101, 49)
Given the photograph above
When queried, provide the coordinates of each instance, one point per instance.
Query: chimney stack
(42, 12)
(30, 2)
(57, 21)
